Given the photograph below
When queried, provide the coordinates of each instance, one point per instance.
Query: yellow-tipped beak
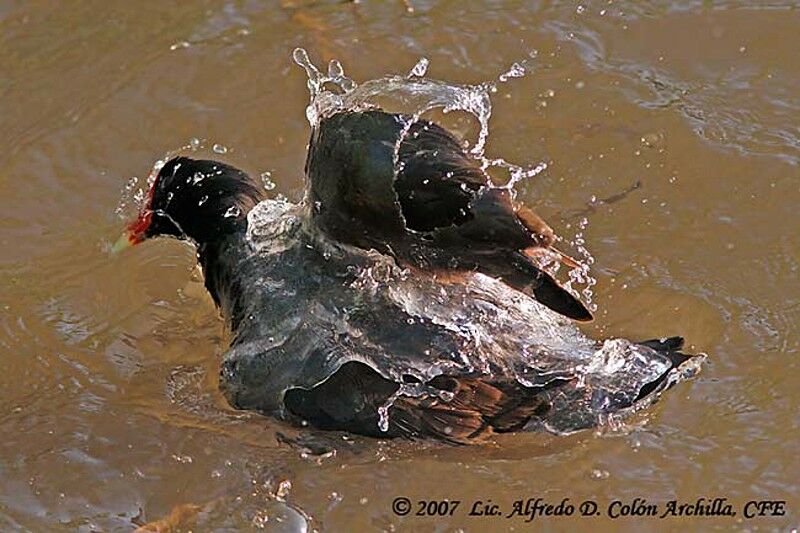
(123, 242)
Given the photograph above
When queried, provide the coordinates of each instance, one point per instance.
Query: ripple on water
(730, 102)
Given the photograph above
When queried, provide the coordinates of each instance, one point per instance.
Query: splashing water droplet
(284, 487)
(266, 180)
(203, 200)
(420, 68)
(414, 95)
(197, 178)
(581, 274)
(322, 99)
(194, 143)
(335, 69)
(233, 211)
(126, 196)
(220, 149)
(179, 45)
(383, 410)
(516, 71)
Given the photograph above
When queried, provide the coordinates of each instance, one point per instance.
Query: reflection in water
(110, 368)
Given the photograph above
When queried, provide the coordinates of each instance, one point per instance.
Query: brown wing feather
(478, 408)
(541, 233)
(544, 238)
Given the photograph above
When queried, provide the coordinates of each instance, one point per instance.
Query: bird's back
(318, 307)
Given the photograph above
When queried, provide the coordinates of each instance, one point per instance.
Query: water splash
(266, 180)
(519, 69)
(581, 275)
(480, 325)
(420, 69)
(415, 95)
(516, 71)
(233, 211)
(134, 193)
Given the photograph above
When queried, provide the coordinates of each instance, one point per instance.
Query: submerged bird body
(333, 334)
(330, 328)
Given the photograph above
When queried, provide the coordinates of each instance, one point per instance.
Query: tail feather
(670, 347)
(542, 255)
(667, 344)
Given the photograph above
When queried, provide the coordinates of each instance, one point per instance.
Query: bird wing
(439, 185)
(436, 181)
(443, 190)
(391, 174)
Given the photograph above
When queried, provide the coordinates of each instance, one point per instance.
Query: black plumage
(329, 332)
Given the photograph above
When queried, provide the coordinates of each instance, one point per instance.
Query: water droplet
(266, 180)
(580, 10)
(220, 149)
(194, 143)
(203, 200)
(283, 489)
(179, 45)
(233, 211)
(335, 69)
(420, 68)
(516, 71)
(197, 178)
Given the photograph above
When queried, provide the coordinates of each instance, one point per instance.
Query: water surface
(110, 412)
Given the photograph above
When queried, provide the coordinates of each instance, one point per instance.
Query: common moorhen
(340, 313)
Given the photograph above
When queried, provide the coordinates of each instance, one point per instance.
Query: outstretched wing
(439, 186)
(371, 167)
(436, 181)
(443, 190)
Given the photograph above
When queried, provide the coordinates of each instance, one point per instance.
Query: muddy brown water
(109, 412)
